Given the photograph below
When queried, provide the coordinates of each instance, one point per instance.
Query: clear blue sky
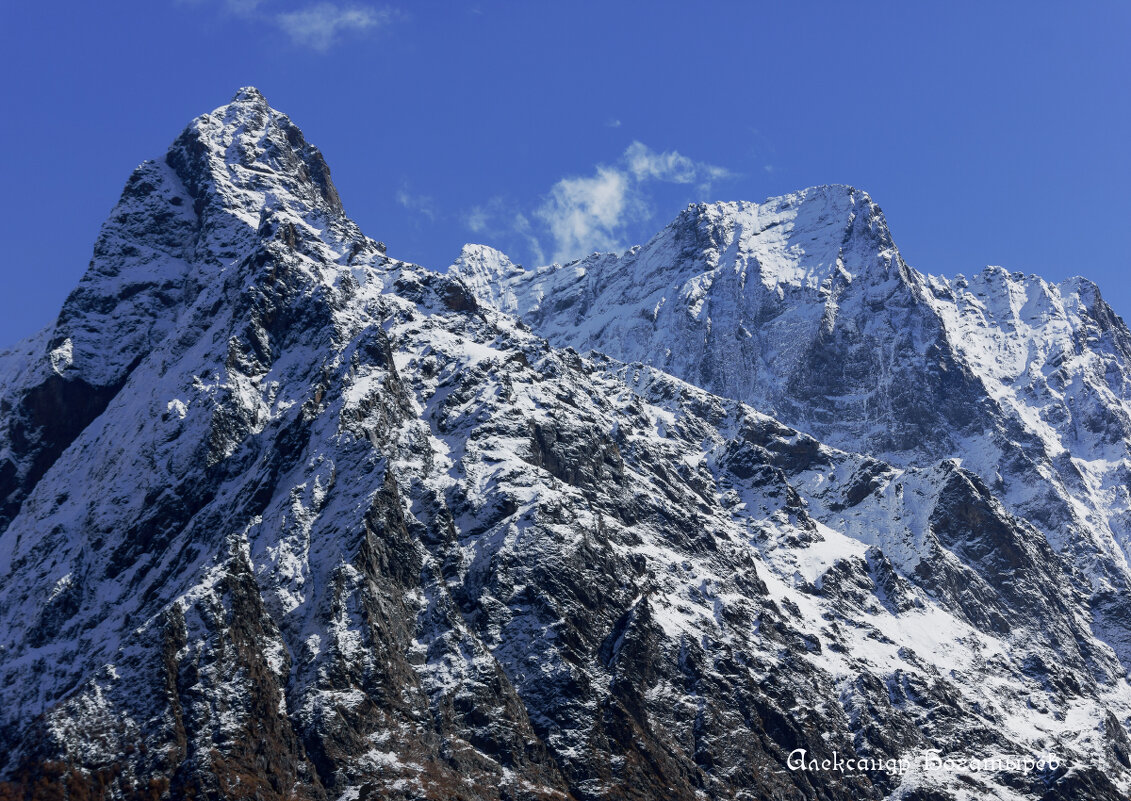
(990, 133)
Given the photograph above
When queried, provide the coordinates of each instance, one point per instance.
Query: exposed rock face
(285, 518)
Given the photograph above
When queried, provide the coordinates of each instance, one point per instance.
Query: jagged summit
(238, 190)
(255, 157)
(800, 239)
(487, 271)
(723, 296)
(235, 180)
(812, 240)
(249, 94)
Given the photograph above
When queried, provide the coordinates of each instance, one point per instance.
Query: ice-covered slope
(803, 307)
(287, 518)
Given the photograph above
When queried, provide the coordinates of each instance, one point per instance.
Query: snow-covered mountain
(802, 307)
(287, 518)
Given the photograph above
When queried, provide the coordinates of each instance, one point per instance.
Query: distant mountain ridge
(284, 517)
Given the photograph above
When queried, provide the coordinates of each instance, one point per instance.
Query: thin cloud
(486, 219)
(242, 7)
(612, 124)
(320, 26)
(646, 163)
(672, 167)
(501, 222)
(476, 220)
(422, 204)
(592, 213)
(587, 214)
(524, 229)
(583, 214)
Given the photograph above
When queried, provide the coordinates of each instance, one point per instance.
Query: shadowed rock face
(46, 420)
(289, 519)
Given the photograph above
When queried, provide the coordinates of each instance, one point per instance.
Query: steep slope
(1057, 360)
(803, 307)
(300, 520)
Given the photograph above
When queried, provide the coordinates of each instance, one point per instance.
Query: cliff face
(287, 518)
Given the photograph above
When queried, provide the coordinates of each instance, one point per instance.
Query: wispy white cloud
(422, 204)
(644, 162)
(587, 214)
(592, 213)
(524, 229)
(612, 123)
(490, 219)
(320, 26)
(672, 167)
(500, 222)
(243, 7)
(583, 214)
(476, 220)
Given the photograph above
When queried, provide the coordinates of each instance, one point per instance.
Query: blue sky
(990, 133)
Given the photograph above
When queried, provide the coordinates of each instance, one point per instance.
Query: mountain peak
(250, 95)
(486, 272)
(472, 253)
(234, 180)
(800, 239)
(833, 199)
(245, 157)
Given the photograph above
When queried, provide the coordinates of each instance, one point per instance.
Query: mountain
(287, 518)
(803, 307)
